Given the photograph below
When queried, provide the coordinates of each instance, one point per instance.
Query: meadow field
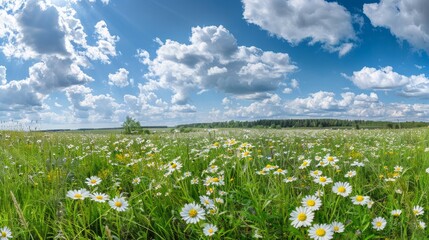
(215, 184)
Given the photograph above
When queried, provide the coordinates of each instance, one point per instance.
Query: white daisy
(321, 232)
(80, 194)
(92, 181)
(418, 210)
(342, 188)
(379, 223)
(5, 233)
(337, 227)
(206, 202)
(311, 202)
(360, 200)
(301, 217)
(192, 213)
(396, 212)
(119, 204)
(421, 224)
(99, 197)
(209, 229)
(323, 180)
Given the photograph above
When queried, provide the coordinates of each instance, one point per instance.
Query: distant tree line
(307, 123)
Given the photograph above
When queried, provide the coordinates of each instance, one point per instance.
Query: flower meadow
(215, 184)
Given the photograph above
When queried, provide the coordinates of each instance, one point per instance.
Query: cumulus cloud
(86, 105)
(40, 28)
(213, 60)
(386, 79)
(19, 95)
(106, 44)
(55, 42)
(318, 21)
(3, 75)
(120, 78)
(406, 19)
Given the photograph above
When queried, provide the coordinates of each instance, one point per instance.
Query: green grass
(38, 169)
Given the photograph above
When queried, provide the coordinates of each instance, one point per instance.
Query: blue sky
(90, 63)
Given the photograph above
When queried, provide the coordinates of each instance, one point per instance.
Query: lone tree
(131, 125)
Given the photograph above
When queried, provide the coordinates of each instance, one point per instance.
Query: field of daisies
(215, 184)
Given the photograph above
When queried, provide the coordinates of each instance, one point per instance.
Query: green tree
(130, 125)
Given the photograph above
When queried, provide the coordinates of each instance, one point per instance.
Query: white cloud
(386, 79)
(406, 19)
(3, 79)
(213, 60)
(120, 78)
(40, 28)
(85, 105)
(319, 21)
(106, 44)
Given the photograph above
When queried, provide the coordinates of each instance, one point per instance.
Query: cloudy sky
(90, 63)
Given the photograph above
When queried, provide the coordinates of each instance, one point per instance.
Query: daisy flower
(421, 224)
(136, 181)
(315, 173)
(398, 169)
(396, 212)
(360, 200)
(321, 232)
(350, 174)
(192, 213)
(209, 229)
(342, 188)
(418, 210)
(311, 202)
(6, 233)
(323, 180)
(173, 166)
(99, 197)
(206, 202)
(305, 164)
(301, 217)
(379, 223)
(92, 181)
(80, 194)
(119, 204)
(337, 227)
(280, 171)
(331, 160)
(289, 179)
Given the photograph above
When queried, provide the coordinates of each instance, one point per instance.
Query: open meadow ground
(219, 184)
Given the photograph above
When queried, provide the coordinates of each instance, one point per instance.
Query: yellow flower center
(4, 234)
(359, 198)
(342, 189)
(118, 204)
(279, 170)
(378, 224)
(322, 179)
(330, 159)
(320, 232)
(215, 179)
(336, 228)
(302, 217)
(93, 181)
(99, 197)
(173, 165)
(192, 213)
(415, 212)
(304, 163)
(211, 230)
(311, 202)
(76, 195)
